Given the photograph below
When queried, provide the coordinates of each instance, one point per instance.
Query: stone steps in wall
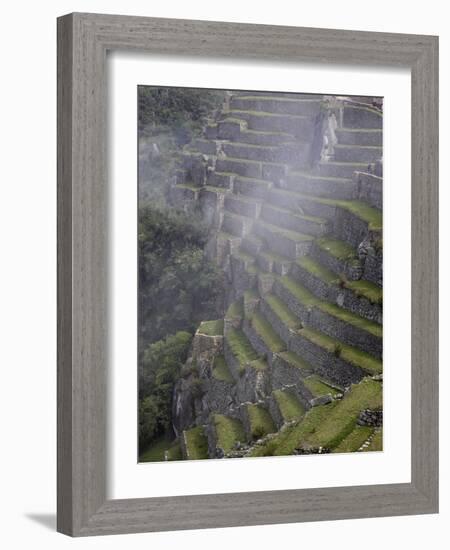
(338, 256)
(334, 360)
(194, 443)
(286, 242)
(291, 152)
(285, 406)
(353, 221)
(271, 262)
(243, 205)
(294, 221)
(263, 338)
(360, 136)
(258, 137)
(252, 244)
(277, 105)
(236, 224)
(370, 188)
(257, 421)
(326, 317)
(230, 128)
(361, 297)
(280, 317)
(221, 179)
(205, 146)
(225, 434)
(357, 153)
(255, 169)
(339, 169)
(355, 116)
(296, 125)
(252, 187)
(320, 186)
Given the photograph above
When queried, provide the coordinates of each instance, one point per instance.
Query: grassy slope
(325, 425)
(229, 431)
(196, 443)
(290, 407)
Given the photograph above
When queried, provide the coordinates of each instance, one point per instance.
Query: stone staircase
(299, 236)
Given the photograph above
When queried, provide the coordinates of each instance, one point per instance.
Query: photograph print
(260, 252)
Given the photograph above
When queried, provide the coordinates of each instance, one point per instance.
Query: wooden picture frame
(83, 41)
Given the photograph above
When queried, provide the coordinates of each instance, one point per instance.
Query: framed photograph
(247, 268)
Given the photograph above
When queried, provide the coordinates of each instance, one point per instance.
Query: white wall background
(28, 272)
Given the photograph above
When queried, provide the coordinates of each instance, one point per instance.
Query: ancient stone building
(291, 186)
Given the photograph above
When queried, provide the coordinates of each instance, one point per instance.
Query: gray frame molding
(83, 40)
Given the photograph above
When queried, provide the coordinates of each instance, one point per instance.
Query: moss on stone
(352, 355)
(235, 311)
(295, 361)
(351, 318)
(290, 407)
(240, 346)
(317, 270)
(211, 328)
(261, 422)
(264, 329)
(174, 452)
(282, 311)
(196, 443)
(302, 294)
(354, 440)
(289, 439)
(221, 371)
(317, 387)
(368, 290)
(341, 421)
(228, 431)
(338, 249)
(266, 114)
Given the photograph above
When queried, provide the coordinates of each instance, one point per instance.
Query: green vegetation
(317, 387)
(228, 431)
(289, 439)
(366, 289)
(350, 354)
(290, 407)
(264, 329)
(351, 318)
(258, 364)
(174, 452)
(183, 110)
(292, 235)
(264, 113)
(240, 346)
(282, 311)
(296, 361)
(318, 270)
(354, 440)
(211, 328)
(178, 285)
(235, 311)
(338, 249)
(221, 370)
(302, 294)
(196, 443)
(326, 426)
(155, 451)
(372, 216)
(159, 369)
(261, 422)
(341, 421)
(377, 442)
